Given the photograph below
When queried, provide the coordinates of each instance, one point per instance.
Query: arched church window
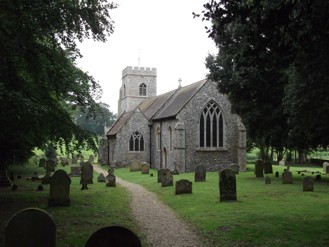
(142, 89)
(124, 90)
(211, 126)
(158, 139)
(136, 142)
(170, 138)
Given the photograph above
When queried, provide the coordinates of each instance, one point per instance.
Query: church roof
(119, 123)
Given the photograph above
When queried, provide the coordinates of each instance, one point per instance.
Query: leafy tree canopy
(272, 62)
(40, 83)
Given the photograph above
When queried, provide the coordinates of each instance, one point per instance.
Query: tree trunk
(301, 157)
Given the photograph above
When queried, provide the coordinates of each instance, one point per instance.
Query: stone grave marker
(183, 186)
(200, 173)
(87, 175)
(259, 170)
(145, 168)
(318, 177)
(287, 177)
(75, 171)
(59, 194)
(91, 158)
(175, 172)
(101, 178)
(308, 183)
(235, 167)
(325, 165)
(327, 170)
(30, 227)
(50, 166)
(277, 174)
(227, 185)
(113, 236)
(46, 179)
(110, 180)
(135, 166)
(42, 162)
(267, 180)
(167, 178)
(160, 173)
(74, 160)
(268, 169)
(282, 162)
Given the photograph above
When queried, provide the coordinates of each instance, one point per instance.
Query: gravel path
(160, 224)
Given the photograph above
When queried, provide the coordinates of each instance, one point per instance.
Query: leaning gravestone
(59, 189)
(135, 166)
(101, 178)
(259, 169)
(31, 227)
(87, 174)
(308, 184)
(160, 174)
(287, 177)
(227, 185)
(235, 168)
(200, 173)
(167, 178)
(268, 169)
(113, 236)
(145, 168)
(183, 187)
(42, 162)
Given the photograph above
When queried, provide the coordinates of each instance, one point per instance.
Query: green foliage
(272, 63)
(39, 81)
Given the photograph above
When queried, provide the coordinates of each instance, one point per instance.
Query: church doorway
(164, 158)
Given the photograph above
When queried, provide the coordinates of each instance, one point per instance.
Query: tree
(40, 83)
(95, 125)
(264, 50)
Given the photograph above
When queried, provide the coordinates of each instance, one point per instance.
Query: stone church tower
(138, 84)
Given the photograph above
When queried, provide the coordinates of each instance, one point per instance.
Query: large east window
(211, 126)
(136, 142)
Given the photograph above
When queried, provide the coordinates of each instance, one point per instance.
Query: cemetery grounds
(273, 214)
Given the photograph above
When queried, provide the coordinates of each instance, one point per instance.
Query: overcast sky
(150, 33)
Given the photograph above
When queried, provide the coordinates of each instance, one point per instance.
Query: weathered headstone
(101, 178)
(91, 158)
(31, 227)
(135, 166)
(200, 173)
(227, 185)
(183, 186)
(75, 171)
(87, 174)
(167, 178)
(160, 173)
(327, 170)
(113, 236)
(235, 167)
(308, 183)
(325, 165)
(318, 177)
(287, 177)
(267, 180)
(110, 180)
(267, 165)
(259, 170)
(59, 189)
(277, 174)
(175, 172)
(145, 168)
(282, 162)
(42, 162)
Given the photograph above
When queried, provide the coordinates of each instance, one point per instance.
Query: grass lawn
(264, 215)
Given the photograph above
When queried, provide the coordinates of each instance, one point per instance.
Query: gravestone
(200, 173)
(40, 187)
(287, 177)
(75, 171)
(113, 236)
(327, 170)
(91, 158)
(183, 186)
(267, 165)
(59, 194)
(50, 166)
(235, 167)
(135, 166)
(267, 180)
(46, 179)
(308, 183)
(110, 180)
(277, 174)
(227, 185)
(101, 178)
(282, 162)
(175, 172)
(325, 165)
(259, 170)
(87, 173)
(160, 173)
(42, 162)
(145, 168)
(31, 227)
(167, 178)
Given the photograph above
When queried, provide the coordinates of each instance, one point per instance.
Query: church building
(182, 128)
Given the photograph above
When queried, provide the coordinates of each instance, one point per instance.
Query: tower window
(211, 126)
(142, 89)
(136, 142)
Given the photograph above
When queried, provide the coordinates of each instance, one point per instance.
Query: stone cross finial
(179, 83)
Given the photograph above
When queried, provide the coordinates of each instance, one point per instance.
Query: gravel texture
(160, 224)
